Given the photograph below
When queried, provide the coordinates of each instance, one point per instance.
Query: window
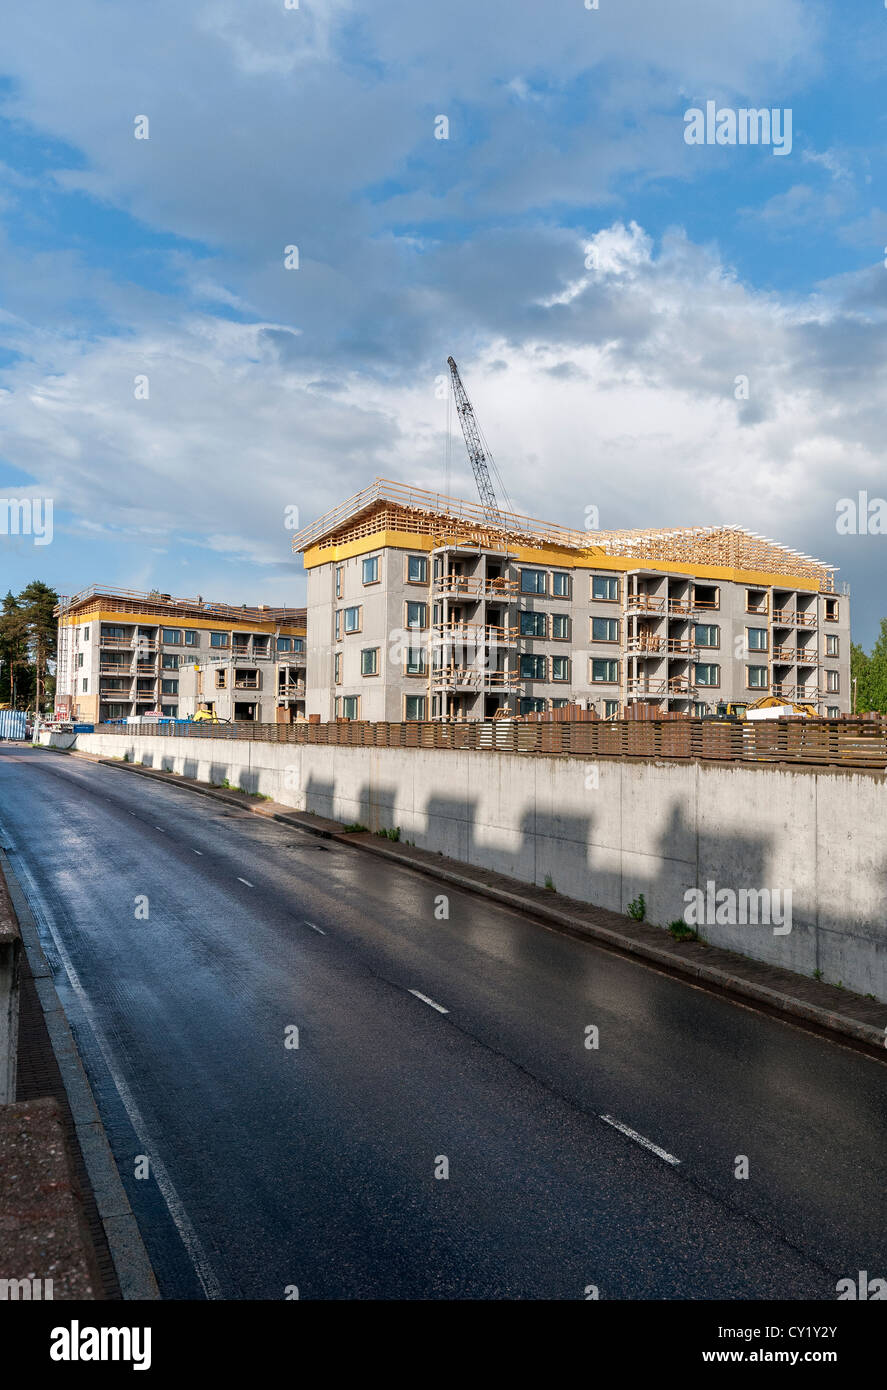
(371, 570)
(172, 636)
(79, 658)
(170, 661)
(530, 704)
(833, 712)
(298, 644)
(706, 596)
(755, 601)
(532, 668)
(417, 573)
(369, 661)
(170, 711)
(708, 675)
(284, 644)
(560, 585)
(604, 589)
(832, 682)
(112, 632)
(339, 570)
(560, 627)
(221, 679)
(413, 707)
(533, 582)
(758, 640)
(560, 704)
(757, 678)
(532, 624)
(192, 638)
(605, 629)
(348, 707)
(86, 634)
(611, 709)
(560, 668)
(699, 708)
(85, 685)
(415, 661)
(831, 644)
(352, 619)
(417, 614)
(219, 639)
(169, 687)
(338, 624)
(337, 668)
(831, 610)
(605, 671)
(706, 635)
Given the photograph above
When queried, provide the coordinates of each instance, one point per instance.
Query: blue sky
(270, 388)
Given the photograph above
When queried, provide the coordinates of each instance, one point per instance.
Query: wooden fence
(845, 742)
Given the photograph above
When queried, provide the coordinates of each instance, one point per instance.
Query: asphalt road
(274, 1166)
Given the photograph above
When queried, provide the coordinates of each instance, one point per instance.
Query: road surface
(189, 939)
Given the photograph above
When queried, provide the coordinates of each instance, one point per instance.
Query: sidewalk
(772, 989)
(64, 1131)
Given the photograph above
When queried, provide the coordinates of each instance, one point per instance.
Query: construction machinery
(478, 449)
(771, 707)
(206, 715)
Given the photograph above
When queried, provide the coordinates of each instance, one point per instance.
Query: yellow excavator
(774, 703)
(767, 707)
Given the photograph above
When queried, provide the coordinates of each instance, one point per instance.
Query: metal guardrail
(846, 742)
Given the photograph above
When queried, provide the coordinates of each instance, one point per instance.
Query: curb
(131, 1262)
(734, 985)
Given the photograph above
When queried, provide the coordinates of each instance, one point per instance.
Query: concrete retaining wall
(604, 832)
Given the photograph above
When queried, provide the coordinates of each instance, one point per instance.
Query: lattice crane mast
(477, 452)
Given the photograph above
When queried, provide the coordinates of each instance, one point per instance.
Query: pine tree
(13, 646)
(37, 601)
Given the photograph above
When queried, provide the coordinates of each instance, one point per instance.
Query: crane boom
(476, 451)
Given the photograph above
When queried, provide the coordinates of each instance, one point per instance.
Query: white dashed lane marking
(639, 1139)
(425, 1000)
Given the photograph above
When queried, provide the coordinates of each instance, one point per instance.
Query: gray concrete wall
(604, 832)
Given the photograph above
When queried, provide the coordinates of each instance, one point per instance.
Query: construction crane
(478, 452)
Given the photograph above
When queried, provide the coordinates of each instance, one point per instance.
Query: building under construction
(424, 606)
(122, 653)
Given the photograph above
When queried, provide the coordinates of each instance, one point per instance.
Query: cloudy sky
(603, 285)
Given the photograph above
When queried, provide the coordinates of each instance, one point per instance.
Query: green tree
(37, 601)
(13, 649)
(870, 673)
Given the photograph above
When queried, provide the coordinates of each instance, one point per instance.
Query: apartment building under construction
(423, 606)
(122, 653)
